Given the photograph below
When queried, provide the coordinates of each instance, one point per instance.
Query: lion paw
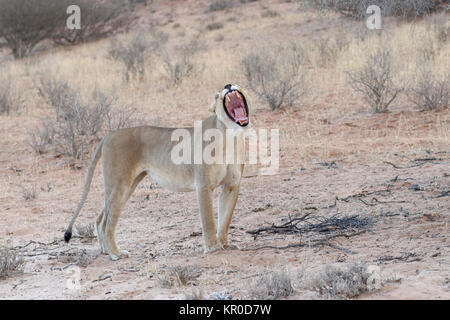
(213, 248)
(231, 247)
(123, 254)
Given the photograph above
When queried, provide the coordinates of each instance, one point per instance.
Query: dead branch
(314, 243)
(397, 167)
(406, 257)
(363, 194)
(317, 231)
(443, 194)
(428, 159)
(319, 224)
(375, 201)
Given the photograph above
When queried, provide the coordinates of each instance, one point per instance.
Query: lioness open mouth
(236, 107)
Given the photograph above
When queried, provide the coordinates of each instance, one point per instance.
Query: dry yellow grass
(315, 129)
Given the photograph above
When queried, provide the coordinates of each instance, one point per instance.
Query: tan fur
(128, 155)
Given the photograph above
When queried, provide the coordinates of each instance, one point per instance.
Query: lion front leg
(227, 202)
(205, 195)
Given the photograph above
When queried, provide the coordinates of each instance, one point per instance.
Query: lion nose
(228, 87)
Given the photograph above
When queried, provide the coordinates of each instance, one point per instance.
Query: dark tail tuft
(67, 235)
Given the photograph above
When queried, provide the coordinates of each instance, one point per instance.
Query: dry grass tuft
(214, 26)
(11, 100)
(29, 193)
(333, 282)
(220, 5)
(195, 294)
(79, 257)
(86, 231)
(270, 286)
(269, 14)
(11, 262)
(330, 49)
(178, 276)
(220, 296)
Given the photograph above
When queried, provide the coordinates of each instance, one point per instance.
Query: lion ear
(212, 107)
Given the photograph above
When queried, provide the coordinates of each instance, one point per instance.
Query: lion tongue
(239, 114)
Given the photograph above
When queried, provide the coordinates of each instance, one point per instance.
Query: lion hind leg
(100, 225)
(114, 205)
(113, 209)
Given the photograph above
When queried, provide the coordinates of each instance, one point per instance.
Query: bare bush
(357, 8)
(10, 99)
(271, 285)
(25, 23)
(178, 276)
(275, 75)
(374, 80)
(134, 55)
(118, 118)
(98, 19)
(55, 92)
(11, 262)
(181, 65)
(430, 93)
(76, 122)
(333, 282)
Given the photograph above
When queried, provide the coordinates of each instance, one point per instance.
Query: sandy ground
(392, 168)
(408, 241)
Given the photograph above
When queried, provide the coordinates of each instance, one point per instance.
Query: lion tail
(87, 186)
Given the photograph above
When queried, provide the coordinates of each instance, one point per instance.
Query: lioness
(128, 155)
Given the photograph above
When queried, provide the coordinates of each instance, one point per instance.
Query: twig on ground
(443, 194)
(428, 159)
(397, 167)
(318, 230)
